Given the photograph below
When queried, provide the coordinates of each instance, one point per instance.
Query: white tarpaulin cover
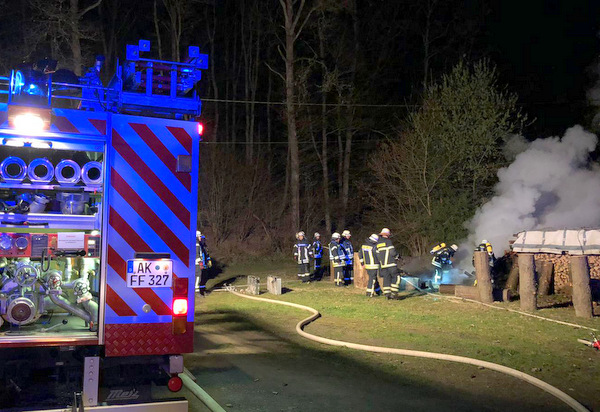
(571, 241)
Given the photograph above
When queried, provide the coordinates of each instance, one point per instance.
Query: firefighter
(368, 258)
(387, 256)
(302, 255)
(486, 246)
(442, 259)
(317, 251)
(203, 262)
(337, 259)
(348, 257)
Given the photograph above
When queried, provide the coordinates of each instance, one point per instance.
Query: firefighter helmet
(301, 233)
(346, 233)
(198, 233)
(484, 241)
(374, 238)
(336, 235)
(454, 247)
(317, 234)
(385, 231)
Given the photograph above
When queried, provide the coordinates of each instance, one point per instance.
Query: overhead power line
(393, 105)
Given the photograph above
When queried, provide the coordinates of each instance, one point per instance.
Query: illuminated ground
(249, 358)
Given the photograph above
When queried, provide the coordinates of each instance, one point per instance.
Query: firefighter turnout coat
(336, 254)
(368, 256)
(317, 249)
(302, 252)
(386, 253)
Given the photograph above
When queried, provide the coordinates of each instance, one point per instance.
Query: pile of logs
(562, 268)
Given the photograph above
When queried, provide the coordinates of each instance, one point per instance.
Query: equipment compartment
(51, 195)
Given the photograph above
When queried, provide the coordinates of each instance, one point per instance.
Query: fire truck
(98, 205)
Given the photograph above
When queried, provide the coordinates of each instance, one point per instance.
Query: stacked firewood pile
(562, 268)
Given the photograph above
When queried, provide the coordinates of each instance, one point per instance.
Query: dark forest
(322, 115)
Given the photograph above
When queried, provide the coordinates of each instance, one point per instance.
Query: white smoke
(550, 184)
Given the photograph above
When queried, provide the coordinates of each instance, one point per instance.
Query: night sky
(545, 51)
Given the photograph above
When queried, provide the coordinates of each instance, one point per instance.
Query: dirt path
(246, 367)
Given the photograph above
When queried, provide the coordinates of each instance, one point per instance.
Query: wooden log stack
(562, 278)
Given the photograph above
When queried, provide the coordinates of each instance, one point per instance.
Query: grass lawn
(543, 349)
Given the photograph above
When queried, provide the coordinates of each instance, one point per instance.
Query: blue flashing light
(144, 45)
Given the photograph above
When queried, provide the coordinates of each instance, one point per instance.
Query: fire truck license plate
(143, 273)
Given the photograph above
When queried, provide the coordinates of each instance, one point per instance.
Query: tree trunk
(324, 152)
(527, 293)
(582, 295)
(75, 37)
(157, 31)
(513, 276)
(484, 278)
(545, 277)
(213, 76)
(290, 97)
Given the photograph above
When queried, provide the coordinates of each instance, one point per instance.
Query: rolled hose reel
(7, 169)
(34, 170)
(91, 174)
(63, 176)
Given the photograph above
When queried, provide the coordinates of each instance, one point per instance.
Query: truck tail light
(180, 307)
(200, 129)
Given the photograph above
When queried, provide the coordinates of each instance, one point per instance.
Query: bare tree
(294, 21)
(64, 22)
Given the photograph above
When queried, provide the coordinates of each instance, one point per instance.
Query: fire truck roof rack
(143, 86)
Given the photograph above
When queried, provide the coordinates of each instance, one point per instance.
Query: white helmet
(374, 238)
(346, 233)
(454, 247)
(301, 233)
(385, 231)
(317, 234)
(336, 235)
(484, 241)
(198, 233)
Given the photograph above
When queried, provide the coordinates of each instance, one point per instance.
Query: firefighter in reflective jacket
(337, 259)
(302, 255)
(317, 251)
(203, 262)
(368, 258)
(486, 246)
(348, 257)
(442, 259)
(387, 255)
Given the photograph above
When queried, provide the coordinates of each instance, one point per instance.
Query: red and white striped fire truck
(98, 205)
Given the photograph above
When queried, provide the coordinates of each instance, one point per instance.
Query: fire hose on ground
(201, 394)
(571, 402)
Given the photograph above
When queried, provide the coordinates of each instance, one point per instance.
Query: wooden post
(447, 289)
(527, 293)
(484, 279)
(253, 285)
(331, 273)
(274, 285)
(513, 276)
(361, 278)
(545, 277)
(582, 295)
(467, 292)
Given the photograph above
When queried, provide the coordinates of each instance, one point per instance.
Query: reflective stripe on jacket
(302, 252)
(317, 248)
(386, 253)
(348, 251)
(336, 254)
(368, 256)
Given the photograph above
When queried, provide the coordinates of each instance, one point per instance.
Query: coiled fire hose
(573, 404)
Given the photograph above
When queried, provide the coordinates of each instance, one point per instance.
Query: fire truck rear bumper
(167, 406)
